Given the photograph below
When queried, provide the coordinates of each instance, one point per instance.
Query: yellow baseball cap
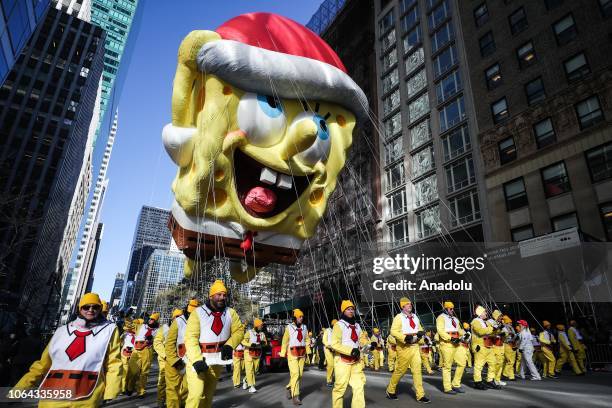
(154, 316)
(480, 310)
(257, 323)
(297, 313)
(496, 314)
(506, 319)
(192, 305)
(404, 301)
(449, 305)
(376, 330)
(217, 287)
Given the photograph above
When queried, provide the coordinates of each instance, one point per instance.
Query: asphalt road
(593, 390)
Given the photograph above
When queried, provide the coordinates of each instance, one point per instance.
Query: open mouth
(264, 192)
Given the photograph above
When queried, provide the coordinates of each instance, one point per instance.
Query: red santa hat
(273, 55)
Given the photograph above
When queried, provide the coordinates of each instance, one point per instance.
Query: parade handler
(295, 346)
(253, 341)
(329, 353)
(82, 359)
(213, 331)
(347, 341)
(451, 333)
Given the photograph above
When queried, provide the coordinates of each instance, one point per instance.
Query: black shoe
(450, 392)
(391, 396)
(492, 385)
(330, 385)
(479, 385)
(424, 400)
(459, 390)
(554, 377)
(289, 396)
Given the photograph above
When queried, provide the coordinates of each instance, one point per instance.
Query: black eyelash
(327, 116)
(304, 105)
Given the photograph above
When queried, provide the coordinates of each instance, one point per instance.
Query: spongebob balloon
(262, 118)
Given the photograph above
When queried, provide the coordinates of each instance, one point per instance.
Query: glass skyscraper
(18, 20)
(162, 271)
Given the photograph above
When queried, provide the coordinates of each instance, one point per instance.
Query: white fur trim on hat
(288, 76)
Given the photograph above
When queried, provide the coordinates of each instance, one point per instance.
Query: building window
(606, 216)
(507, 150)
(606, 7)
(487, 44)
(416, 83)
(391, 102)
(555, 180)
(589, 112)
(442, 37)
(452, 114)
(460, 174)
(418, 107)
(565, 30)
(456, 142)
(444, 61)
(388, 40)
(499, 110)
(386, 22)
(394, 150)
(564, 221)
(393, 125)
(389, 59)
(389, 81)
(422, 162)
(493, 76)
(428, 222)
(439, 14)
(414, 60)
(410, 19)
(522, 233)
(535, 91)
(407, 4)
(395, 176)
(464, 208)
(398, 232)
(412, 39)
(599, 161)
(448, 86)
(425, 191)
(518, 21)
(544, 133)
(515, 194)
(526, 55)
(481, 15)
(576, 67)
(551, 4)
(397, 203)
(420, 134)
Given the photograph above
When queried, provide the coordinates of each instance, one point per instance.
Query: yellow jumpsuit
(446, 331)
(251, 363)
(238, 364)
(426, 351)
(139, 367)
(391, 352)
(547, 340)
(347, 373)
(509, 352)
(176, 390)
(295, 363)
(566, 353)
(482, 355)
(329, 354)
(107, 387)
(160, 348)
(201, 387)
(577, 342)
(125, 364)
(376, 352)
(408, 357)
(463, 357)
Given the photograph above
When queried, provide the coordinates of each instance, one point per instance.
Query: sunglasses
(91, 307)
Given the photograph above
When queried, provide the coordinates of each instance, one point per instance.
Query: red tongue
(260, 200)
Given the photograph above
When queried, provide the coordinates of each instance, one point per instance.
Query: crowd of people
(95, 358)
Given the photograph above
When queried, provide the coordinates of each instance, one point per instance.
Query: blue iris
(322, 130)
(270, 105)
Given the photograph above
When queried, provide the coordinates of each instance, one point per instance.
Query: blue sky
(140, 172)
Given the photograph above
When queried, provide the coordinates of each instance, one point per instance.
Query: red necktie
(411, 322)
(453, 322)
(149, 331)
(217, 324)
(299, 335)
(77, 347)
(354, 336)
(258, 338)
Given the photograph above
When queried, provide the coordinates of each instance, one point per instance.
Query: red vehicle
(272, 356)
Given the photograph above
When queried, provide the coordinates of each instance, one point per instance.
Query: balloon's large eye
(319, 150)
(262, 118)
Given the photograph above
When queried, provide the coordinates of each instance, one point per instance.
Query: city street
(594, 390)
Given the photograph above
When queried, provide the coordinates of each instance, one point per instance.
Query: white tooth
(284, 181)
(267, 176)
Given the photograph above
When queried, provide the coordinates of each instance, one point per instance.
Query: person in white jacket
(526, 349)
